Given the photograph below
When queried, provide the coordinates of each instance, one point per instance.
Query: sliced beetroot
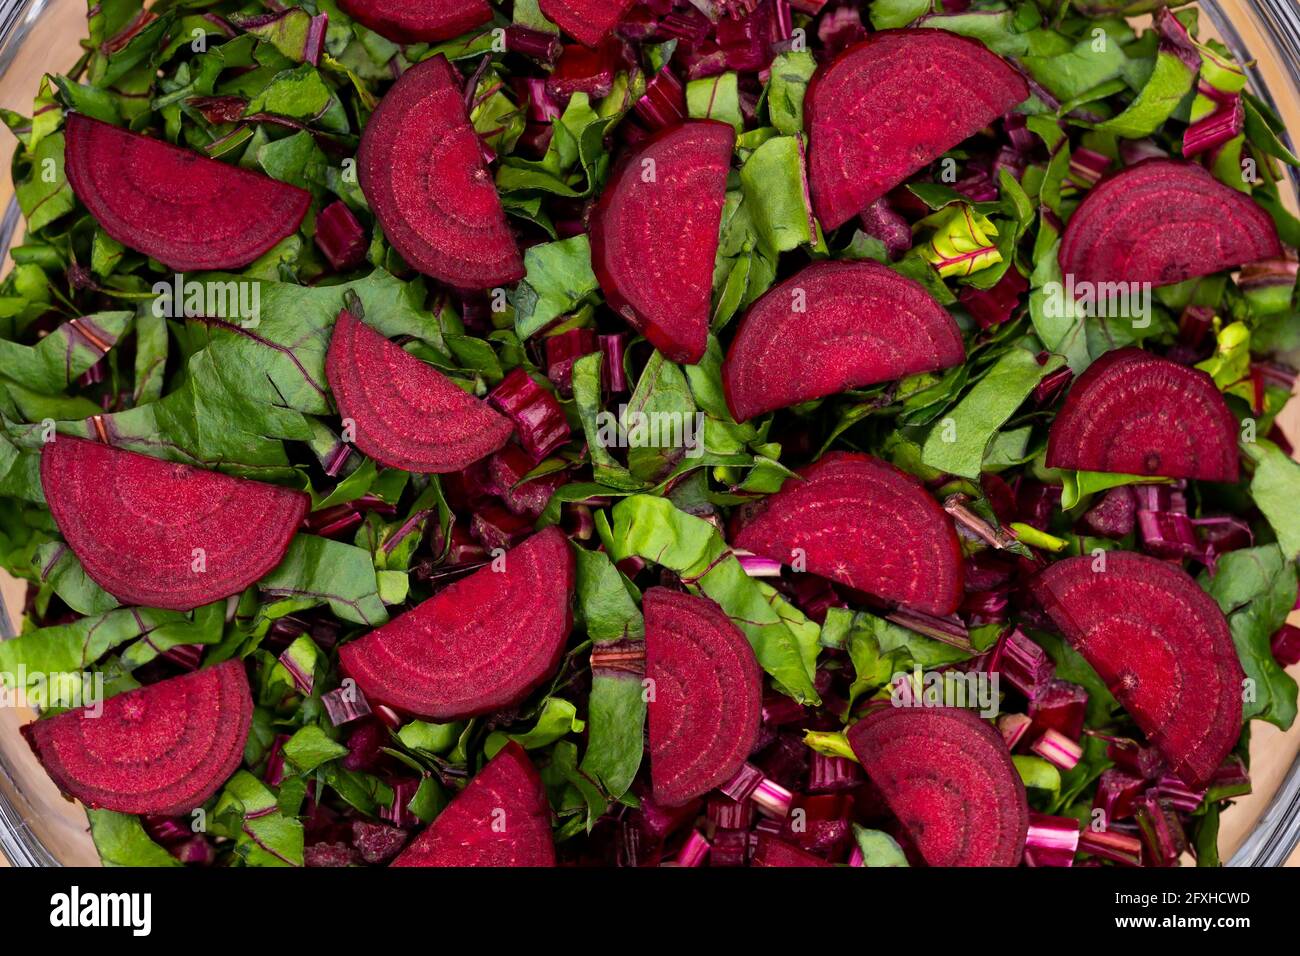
(860, 521)
(482, 643)
(404, 413)
(163, 534)
(655, 234)
(1163, 221)
(708, 695)
(501, 819)
(948, 778)
(587, 21)
(890, 105)
(1163, 648)
(418, 21)
(187, 211)
(421, 168)
(161, 749)
(1135, 413)
(835, 326)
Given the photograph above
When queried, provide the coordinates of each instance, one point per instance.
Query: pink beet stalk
(535, 44)
(1161, 831)
(345, 704)
(1122, 848)
(1058, 749)
(772, 799)
(757, 566)
(1216, 129)
(664, 102)
(339, 236)
(614, 346)
(539, 421)
(1013, 728)
(1117, 794)
(1024, 663)
(1178, 795)
(1087, 167)
(1230, 780)
(1051, 841)
(694, 851)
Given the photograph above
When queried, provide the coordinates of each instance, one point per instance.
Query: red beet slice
(1162, 646)
(501, 819)
(421, 168)
(834, 326)
(482, 643)
(418, 21)
(587, 21)
(143, 528)
(407, 414)
(1135, 413)
(774, 852)
(655, 234)
(1162, 221)
(864, 523)
(163, 749)
(892, 104)
(946, 774)
(187, 211)
(708, 695)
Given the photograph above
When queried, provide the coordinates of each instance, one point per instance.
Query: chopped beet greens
(651, 432)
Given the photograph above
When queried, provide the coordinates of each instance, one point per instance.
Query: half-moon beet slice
(407, 414)
(708, 695)
(1162, 221)
(501, 819)
(163, 534)
(947, 776)
(892, 104)
(481, 644)
(1135, 413)
(164, 748)
(864, 523)
(834, 326)
(421, 168)
(587, 21)
(185, 210)
(1162, 646)
(418, 21)
(655, 234)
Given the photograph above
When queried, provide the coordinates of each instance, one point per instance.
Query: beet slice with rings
(189, 212)
(863, 522)
(655, 234)
(164, 534)
(405, 413)
(1162, 221)
(501, 819)
(708, 695)
(421, 168)
(831, 327)
(164, 748)
(1134, 413)
(418, 21)
(1163, 648)
(892, 104)
(587, 21)
(946, 774)
(482, 643)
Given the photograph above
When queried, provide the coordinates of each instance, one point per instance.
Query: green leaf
(956, 444)
(659, 420)
(1275, 488)
(1078, 485)
(878, 848)
(56, 361)
(557, 719)
(655, 530)
(774, 184)
(607, 601)
(1037, 773)
(310, 747)
(44, 193)
(1169, 84)
(790, 74)
(319, 571)
(264, 836)
(558, 279)
(716, 98)
(429, 737)
(121, 840)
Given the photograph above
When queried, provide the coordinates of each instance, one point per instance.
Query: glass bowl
(40, 828)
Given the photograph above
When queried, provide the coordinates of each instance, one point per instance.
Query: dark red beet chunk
(501, 819)
(1135, 413)
(708, 694)
(1163, 221)
(587, 21)
(892, 104)
(655, 234)
(835, 326)
(1162, 646)
(418, 21)
(482, 643)
(161, 749)
(774, 852)
(947, 776)
(864, 523)
(421, 135)
(162, 534)
(340, 237)
(189, 212)
(404, 413)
